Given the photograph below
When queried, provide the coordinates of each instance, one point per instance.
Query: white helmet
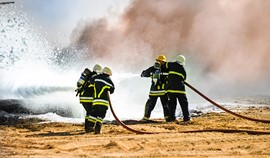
(181, 59)
(107, 70)
(97, 68)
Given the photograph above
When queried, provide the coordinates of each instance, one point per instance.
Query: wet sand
(34, 138)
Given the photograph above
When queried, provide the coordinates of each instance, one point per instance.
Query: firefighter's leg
(88, 107)
(89, 123)
(100, 115)
(172, 106)
(164, 102)
(97, 128)
(149, 106)
(182, 98)
(85, 107)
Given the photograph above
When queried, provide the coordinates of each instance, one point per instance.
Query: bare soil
(34, 138)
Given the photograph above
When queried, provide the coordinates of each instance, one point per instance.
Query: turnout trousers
(96, 117)
(182, 99)
(150, 105)
(88, 107)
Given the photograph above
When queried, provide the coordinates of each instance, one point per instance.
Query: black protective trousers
(150, 105)
(182, 99)
(88, 108)
(99, 111)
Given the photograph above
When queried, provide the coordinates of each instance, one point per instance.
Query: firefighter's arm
(112, 88)
(147, 72)
(143, 74)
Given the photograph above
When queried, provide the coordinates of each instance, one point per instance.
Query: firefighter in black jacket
(159, 77)
(176, 88)
(102, 84)
(86, 93)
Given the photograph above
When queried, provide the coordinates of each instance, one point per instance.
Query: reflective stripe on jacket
(102, 84)
(176, 78)
(158, 86)
(87, 94)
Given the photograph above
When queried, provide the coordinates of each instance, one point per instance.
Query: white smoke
(45, 76)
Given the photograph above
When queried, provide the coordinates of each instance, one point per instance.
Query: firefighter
(86, 92)
(102, 85)
(159, 77)
(176, 88)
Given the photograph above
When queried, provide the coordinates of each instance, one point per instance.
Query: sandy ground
(32, 138)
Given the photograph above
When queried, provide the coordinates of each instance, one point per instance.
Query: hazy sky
(58, 18)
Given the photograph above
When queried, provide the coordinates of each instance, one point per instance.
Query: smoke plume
(224, 41)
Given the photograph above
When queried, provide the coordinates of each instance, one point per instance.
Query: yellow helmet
(107, 70)
(161, 58)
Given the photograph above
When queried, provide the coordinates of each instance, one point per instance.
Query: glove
(78, 90)
(142, 74)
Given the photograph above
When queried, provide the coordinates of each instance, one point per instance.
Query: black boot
(88, 126)
(97, 128)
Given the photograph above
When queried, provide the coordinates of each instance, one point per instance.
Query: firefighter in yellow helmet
(159, 77)
(176, 88)
(86, 91)
(102, 85)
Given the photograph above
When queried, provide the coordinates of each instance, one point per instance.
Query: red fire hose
(193, 131)
(122, 124)
(226, 110)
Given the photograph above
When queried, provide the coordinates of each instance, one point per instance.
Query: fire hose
(121, 123)
(226, 110)
(194, 131)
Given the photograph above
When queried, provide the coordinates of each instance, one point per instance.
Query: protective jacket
(159, 80)
(102, 84)
(87, 93)
(176, 78)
